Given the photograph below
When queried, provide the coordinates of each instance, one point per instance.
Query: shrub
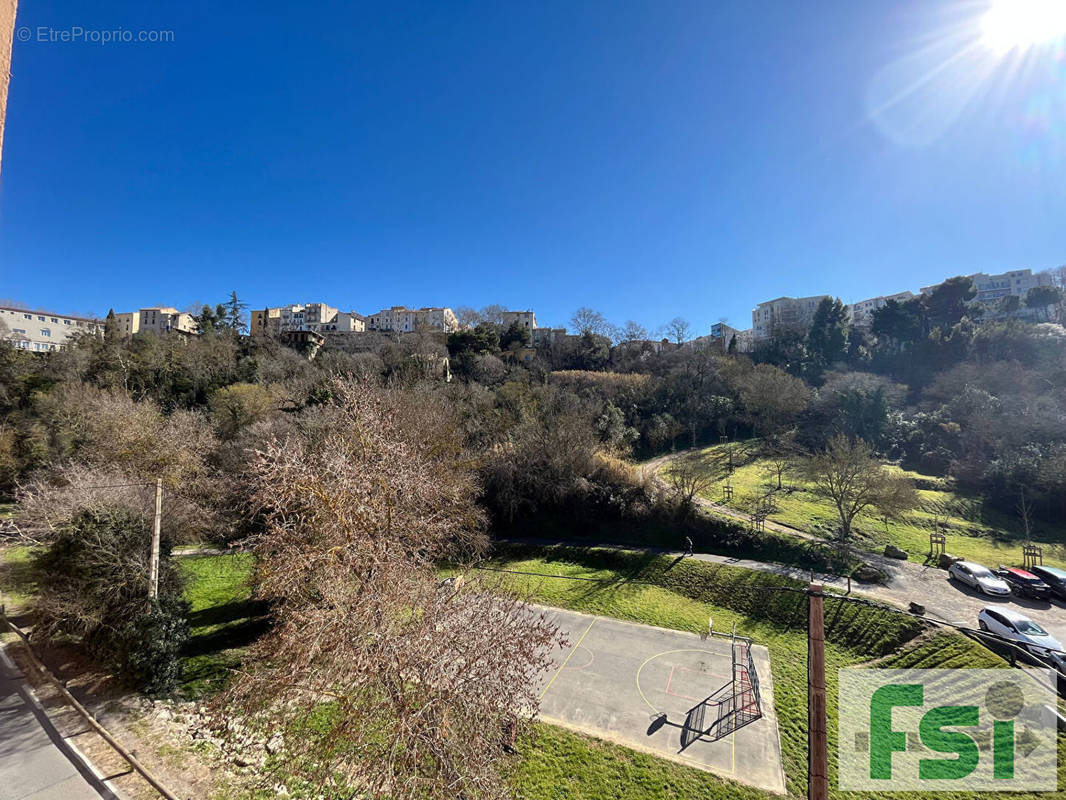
(94, 584)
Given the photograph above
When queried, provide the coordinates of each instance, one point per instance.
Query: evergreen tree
(234, 314)
(827, 338)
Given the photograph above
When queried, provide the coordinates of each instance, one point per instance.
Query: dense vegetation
(354, 471)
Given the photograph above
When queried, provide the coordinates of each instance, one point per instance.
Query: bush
(94, 584)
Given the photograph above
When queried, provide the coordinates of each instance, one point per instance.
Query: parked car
(1054, 577)
(1024, 583)
(979, 577)
(1019, 628)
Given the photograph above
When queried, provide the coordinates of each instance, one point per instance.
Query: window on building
(54, 319)
(20, 330)
(40, 319)
(46, 331)
(28, 316)
(66, 322)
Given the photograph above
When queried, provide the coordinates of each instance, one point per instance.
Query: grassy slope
(671, 607)
(973, 532)
(223, 618)
(568, 765)
(17, 584)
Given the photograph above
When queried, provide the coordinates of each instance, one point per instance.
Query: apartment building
(158, 319)
(784, 313)
(725, 334)
(527, 319)
(995, 287)
(400, 319)
(316, 317)
(42, 331)
(861, 313)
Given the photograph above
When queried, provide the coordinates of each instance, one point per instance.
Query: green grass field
(973, 532)
(223, 618)
(853, 638)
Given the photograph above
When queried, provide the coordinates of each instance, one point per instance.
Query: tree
(679, 329)
(1040, 298)
(590, 322)
(517, 335)
(827, 338)
(207, 321)
(110, 327)
(239, 405)
(633, 332)
(93, 578)
(234, 314)
(690, 476)
(772, 398)
(847, 474)
(412, 683)
(901, 323)
(946, 305)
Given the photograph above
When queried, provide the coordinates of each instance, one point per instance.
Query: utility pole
(153, 563)
(817, 740)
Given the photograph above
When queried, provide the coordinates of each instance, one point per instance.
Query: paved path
(907, 581)
(35, 761)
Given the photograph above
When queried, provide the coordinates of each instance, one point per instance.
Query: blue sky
(647, 159)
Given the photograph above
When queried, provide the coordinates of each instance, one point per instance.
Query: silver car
(980, 578)
(1019, 628)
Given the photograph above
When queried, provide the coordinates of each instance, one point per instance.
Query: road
(907, 581)
(35, 761)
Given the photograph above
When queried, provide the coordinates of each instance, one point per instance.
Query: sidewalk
(36, 763)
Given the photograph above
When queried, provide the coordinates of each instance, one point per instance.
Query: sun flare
(1011, 24)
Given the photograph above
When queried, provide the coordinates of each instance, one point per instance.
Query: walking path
(906, 582)
(36, 763)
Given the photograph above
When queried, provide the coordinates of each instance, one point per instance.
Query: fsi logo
(949, 729)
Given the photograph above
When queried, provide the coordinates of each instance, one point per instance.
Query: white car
(1019, 628)
(980, 578)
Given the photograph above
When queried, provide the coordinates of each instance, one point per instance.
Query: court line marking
(567, 659)
(649, 659)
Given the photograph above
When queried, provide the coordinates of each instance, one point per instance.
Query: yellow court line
(567, 659)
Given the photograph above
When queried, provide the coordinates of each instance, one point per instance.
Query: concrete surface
(617, 679)
(35, 762)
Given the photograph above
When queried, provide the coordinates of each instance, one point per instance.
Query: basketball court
(704, 701)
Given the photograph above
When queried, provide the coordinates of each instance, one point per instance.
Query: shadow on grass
(230, 612)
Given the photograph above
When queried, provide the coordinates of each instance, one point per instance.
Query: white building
(861, 313)
(42, 331)
(784, 313)
(345, 322)
(995, 287)
(400, 319)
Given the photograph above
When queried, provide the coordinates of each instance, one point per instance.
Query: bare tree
(587, 320)
(633, 332)
(690, 476)
(413, 684)
(468, 317)
(679, 330)
(847, 474)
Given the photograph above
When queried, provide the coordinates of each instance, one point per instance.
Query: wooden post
(817, 739)
(153, 563)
